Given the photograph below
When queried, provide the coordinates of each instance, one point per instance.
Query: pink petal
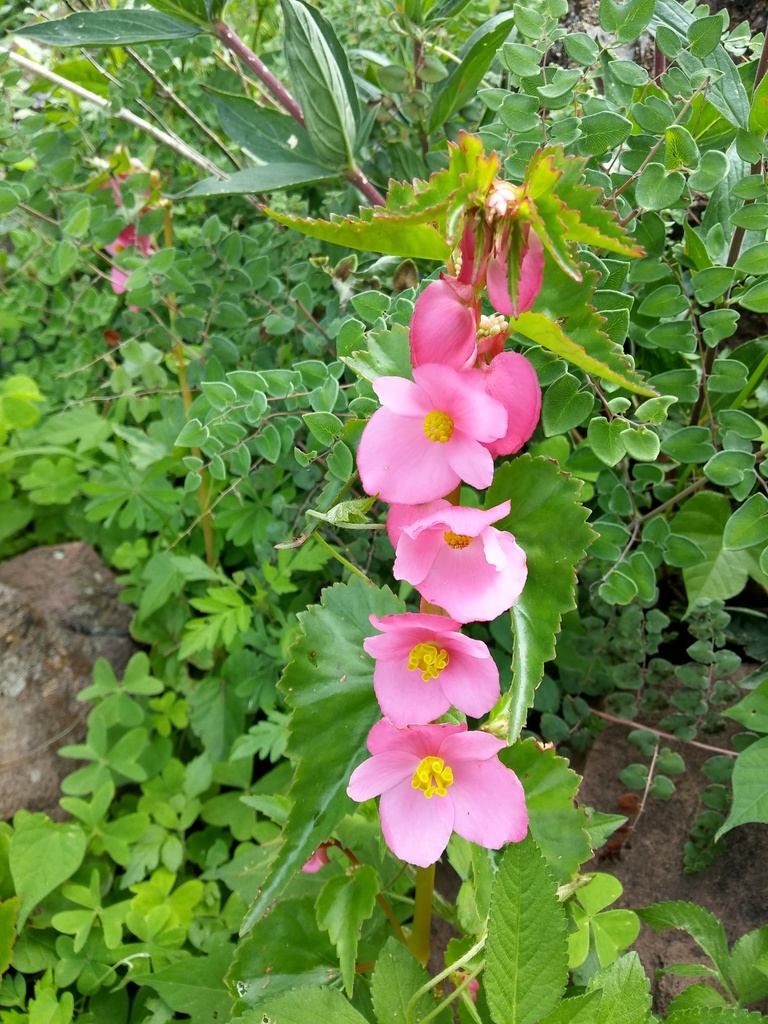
(512, 381)
(402, 396)
(444, 325)
(498, 285)
(398, 462)
(471, 684)
(145, 245)
(401, 516)
(470, 746)
(405, 698)
(458, 518)
(489, 804)
(381, 772)
(126, 238)
(395, 623)
(463, 395)
(419, 740)
(414, 558)
(531, 274)
(118, 278)
(416, 829)
(469, 460)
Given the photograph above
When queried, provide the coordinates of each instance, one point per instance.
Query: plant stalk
(422, 914)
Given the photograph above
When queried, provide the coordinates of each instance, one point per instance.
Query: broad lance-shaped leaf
(329, 685)
(396, 979)
(526, 957)
(305, 1006)
(109, 28)
(556, 823)
(281, 173)
(323, 83)
(700, 924)
(550, 525)
(750, 787)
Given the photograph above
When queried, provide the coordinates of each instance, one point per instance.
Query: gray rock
(59, 611)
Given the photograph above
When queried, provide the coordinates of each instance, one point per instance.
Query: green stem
(451, 969)
(340, 558)
(422, 913)
(751, 384)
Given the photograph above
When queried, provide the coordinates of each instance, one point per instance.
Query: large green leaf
(556, 823)
(42, 855)
(282, 173)
(700, 924)
(398, 975)
(110, 28)
(460, 85)
(526, 956)
(727, 95)
(259, 131)
(188, 10)
(550, 525)
(194, 986)
(392, 235)
(329, 685)
(750, 787)
(284, 950)
(722, 573)
(9, 911)
(322, 80)
(305, 1006)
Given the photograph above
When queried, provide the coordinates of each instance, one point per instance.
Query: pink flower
(456, 559)
(510, 379)
(423, 667)
(429, 436)
(318, 860)
(444, 324)
(437, 779)
(125, 240)
(530, 275)
(473, 988)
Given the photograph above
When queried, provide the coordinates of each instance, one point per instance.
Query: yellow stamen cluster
(429, 659)
(432, 776)
(438, 426)
(490, 326)
(457, 540)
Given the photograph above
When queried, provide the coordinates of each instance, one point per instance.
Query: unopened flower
(511, 380)
(430, 434)
(318, 860)
(444, 325)
(424, 666)
(456, 559)
(437, 779)
(529, 270)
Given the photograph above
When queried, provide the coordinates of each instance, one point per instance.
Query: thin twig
(659, 732)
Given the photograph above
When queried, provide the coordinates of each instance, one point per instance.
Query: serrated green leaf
(603, 358)
(329, 686)
(344, 902)
(526, 961)
(109, 28)
(323, 83)
(546, 515)
(750, 788)
(557, 825)
(41, 856)
(194, 985)
(395, 980)
(700, 924)
(751, 983)
(626, 996)
(306, 1006)
(475, 57)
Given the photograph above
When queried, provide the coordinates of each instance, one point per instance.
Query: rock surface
(59, 611)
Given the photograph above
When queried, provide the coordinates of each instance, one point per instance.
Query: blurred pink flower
(437, 779)
(444, 324)
(510, 379)
(424, 666)
(430, 434)
(125, 240)
(456, 559)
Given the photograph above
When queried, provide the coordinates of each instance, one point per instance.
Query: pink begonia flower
(444, 325)
(531, 275)
(423, 667)
(456, 559)
(510, 379)
(126, 240)
(437, 779)
(318, 860)
(430, 434)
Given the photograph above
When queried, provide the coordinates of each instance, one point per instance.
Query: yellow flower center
(429, 659)
(457, 540)
(432, 776)
(438, 426)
